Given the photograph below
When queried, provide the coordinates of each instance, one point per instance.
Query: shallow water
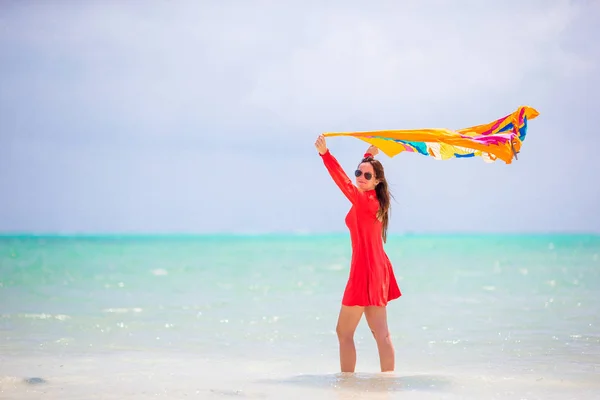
(254, 317)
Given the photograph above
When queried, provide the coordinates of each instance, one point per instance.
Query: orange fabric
(371, 281)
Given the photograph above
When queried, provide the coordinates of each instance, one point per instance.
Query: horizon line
(57, 234)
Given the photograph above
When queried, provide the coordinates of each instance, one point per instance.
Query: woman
(371, 283)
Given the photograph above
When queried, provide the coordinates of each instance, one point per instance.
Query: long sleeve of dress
(339, 177)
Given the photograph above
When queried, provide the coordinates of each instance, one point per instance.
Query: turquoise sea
(253, 317)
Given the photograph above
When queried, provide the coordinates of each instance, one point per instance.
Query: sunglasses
(358, 173)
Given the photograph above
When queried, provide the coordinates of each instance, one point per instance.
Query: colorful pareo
(501, 139)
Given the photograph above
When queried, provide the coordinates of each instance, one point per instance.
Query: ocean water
(253, 317)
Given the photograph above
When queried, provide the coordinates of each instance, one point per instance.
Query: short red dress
(371, 281)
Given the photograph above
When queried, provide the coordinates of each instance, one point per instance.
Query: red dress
(371, 281)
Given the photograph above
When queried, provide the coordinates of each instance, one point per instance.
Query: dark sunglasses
(358, 173)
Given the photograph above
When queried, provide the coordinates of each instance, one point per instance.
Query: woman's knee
(381, 335)
(344, 335)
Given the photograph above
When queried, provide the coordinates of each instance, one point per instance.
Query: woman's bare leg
(377, 320)
(346, 326)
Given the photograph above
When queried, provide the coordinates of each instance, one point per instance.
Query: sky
(201, 117)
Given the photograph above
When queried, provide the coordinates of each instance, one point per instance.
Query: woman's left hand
(373, 150)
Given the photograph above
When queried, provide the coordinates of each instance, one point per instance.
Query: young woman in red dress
(371, 282)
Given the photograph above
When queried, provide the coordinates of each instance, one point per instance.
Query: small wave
(122, 310)
(60, 317)
(160, 272)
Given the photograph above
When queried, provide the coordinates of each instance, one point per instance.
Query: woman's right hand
(321, 145)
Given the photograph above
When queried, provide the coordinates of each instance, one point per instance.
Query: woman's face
(365, 177)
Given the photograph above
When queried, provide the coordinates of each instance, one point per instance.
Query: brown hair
(383, 194)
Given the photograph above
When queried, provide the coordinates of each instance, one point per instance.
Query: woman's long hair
(383, 195)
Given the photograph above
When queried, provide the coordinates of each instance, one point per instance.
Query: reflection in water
(381, 383)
